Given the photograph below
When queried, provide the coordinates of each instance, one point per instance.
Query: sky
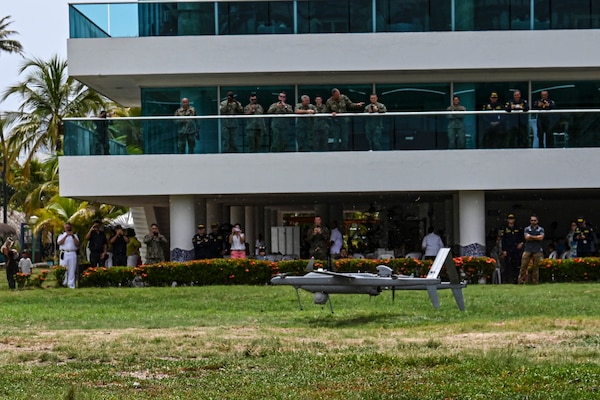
(43, 27)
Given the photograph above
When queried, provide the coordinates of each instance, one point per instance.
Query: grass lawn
(241, 342)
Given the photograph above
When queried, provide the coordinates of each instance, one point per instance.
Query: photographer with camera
(154, 246)
(237, 241)
(119, 247)
(68, 243)
(97, 244)
(318, 238)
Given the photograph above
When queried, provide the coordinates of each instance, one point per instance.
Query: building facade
(415, 55)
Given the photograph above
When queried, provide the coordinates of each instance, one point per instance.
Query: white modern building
(414, 54)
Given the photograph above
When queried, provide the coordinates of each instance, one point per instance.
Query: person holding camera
(10, 256)
(68, 243)
(119, 247)
(154, 246)
(229, 130)
(280, 127)
(237, 242)
(97, 244)
(187, 129)
(318, 237)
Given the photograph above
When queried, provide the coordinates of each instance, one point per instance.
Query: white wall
(336, 172)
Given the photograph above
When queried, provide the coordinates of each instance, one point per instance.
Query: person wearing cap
(229, 130)
(217, 241)
(255, 127)
(119, 242)
(492, 125)
(533, 235)
(512, 245)
(517, 125)
(155, 245)
(202, 244)
(456, 125)
(97, 244)
(586, 238)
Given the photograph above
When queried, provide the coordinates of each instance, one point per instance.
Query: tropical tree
(8, 45)
(34, 191)
(48, 95)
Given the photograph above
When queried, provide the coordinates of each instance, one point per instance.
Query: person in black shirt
(97, 244)
(512, 246)
(119, 247)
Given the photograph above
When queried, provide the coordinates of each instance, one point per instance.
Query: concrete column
(250, 228)
(472, 222)
(214, 214)
(236, 215)
(183, 227)
(200, 210)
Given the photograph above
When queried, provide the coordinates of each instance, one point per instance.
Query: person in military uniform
(320, 127)
(280, 126)
(155, 245)
(255, 127)
(318, 238)
(512, 246)
(102, 140)
(456, 125)
(229, 126)
(304, 126)
(338, 104)
(492, 125)
(545, 122)
(202, 244)
(517, 126)
(217, 241)
(585, 238)
(374, 125)
(187, 129)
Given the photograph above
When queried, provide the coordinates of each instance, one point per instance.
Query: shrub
(255, 272)
(59, 274)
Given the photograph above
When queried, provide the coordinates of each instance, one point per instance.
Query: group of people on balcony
(312, 134)
(512, 131)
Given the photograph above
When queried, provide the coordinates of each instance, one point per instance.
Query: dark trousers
(512, 265)
(119, 260)
(96, 259)
(11, 270)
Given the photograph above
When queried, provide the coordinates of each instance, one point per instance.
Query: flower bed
(255, 272)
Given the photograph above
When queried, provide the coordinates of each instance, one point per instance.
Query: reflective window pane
(415, 16)
(244, 18)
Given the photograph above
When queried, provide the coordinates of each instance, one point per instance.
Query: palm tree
(35, 190)
(8, 45)
(48, 96)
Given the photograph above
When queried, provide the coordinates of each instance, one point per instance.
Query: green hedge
(255, 272)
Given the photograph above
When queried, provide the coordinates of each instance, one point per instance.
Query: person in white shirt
(68, 243)
(237, 240)
(336, 241)
(431, 244)
(25, 264)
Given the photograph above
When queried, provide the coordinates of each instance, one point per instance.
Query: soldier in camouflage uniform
(374, 125)
(320, 127)
(229, 126)
(318, 237)
(304, 126)
(280, 126)
(337, 104)
(187, 129)
(255, 127)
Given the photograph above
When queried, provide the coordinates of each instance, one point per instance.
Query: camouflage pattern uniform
(374, 125)
(255, 127)
(340, 125)
(319, 243)
(279, 126)
(187, 130)
(305, 128)
(321, 129)
(229, 126)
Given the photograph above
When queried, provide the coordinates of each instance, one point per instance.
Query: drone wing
(336, 274)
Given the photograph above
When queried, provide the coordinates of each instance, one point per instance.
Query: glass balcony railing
(324, 132)
(153, 18)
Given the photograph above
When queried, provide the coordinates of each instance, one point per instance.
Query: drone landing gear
(322, 298)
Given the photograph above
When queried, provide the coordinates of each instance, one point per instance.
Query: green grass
(240, 342)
